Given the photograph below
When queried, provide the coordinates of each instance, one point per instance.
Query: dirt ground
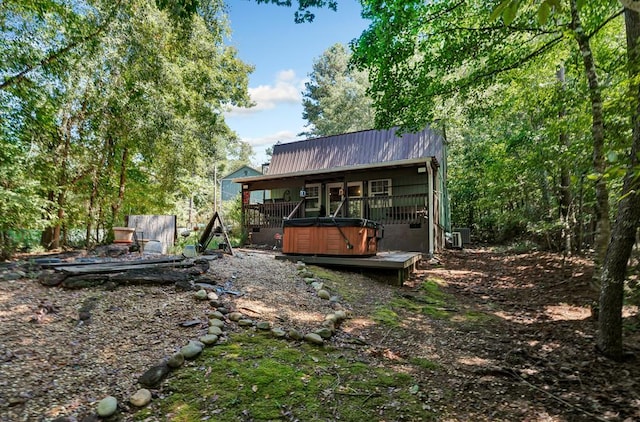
(536, 360)
(528, 356)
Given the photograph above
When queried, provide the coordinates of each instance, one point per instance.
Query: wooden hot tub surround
(331, 236)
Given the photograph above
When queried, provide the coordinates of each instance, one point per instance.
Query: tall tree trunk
(565, 175)
(628, 218)
(115, 207)
(95, 179)
(603, 224)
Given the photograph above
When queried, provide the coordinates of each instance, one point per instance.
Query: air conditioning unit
(456, 240)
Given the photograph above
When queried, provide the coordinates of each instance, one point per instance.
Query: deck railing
(393, 209)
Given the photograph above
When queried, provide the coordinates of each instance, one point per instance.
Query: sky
(282, 53)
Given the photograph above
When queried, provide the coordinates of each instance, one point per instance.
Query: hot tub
(331, 236)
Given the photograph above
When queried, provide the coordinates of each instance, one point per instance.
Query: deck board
(403, 262)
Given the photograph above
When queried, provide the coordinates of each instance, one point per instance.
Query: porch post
(430, 224)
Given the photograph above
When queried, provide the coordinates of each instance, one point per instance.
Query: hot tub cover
(331, 222)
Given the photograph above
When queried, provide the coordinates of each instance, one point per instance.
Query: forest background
(115, 108)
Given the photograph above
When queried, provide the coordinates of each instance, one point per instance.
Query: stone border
(154, 376)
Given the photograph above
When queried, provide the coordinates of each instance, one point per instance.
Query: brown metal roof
(368, 147)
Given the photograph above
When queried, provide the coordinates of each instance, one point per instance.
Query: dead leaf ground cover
(486, 336)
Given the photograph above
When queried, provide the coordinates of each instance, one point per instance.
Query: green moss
(278, 380)
(385, 315)
(436, 312)
(475, 316)
(424, 363)
(406, 304)
(325, 274)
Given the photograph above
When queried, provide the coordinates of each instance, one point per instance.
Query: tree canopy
(335, 99)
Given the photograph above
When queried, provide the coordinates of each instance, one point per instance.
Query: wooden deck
(403, 262)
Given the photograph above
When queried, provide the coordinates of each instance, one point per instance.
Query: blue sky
(282, 53)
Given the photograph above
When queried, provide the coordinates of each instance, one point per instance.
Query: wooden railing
(394, 209)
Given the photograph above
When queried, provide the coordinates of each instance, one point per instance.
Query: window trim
(373, 203)
(318, 197)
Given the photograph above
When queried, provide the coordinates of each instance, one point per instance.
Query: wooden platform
(403, 262)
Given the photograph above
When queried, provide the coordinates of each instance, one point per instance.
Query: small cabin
(397, 180)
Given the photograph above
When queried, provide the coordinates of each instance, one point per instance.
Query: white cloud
(282, 136)
(286, 89)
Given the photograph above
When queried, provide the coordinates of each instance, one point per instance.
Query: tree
(335, 99)
(628, 216)
(138, 106)
(421, 55)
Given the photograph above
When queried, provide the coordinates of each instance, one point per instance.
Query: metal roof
(353, 149)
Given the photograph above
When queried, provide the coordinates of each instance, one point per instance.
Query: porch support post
(430, 220)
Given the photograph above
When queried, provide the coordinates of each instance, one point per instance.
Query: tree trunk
(115, 207)
(603, 224)
(628, 219)
(95, 182)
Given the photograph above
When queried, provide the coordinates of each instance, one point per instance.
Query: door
(354, 193)
(335, 193)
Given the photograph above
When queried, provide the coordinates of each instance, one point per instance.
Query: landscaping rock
(263, 325)
(191, 350)
(200, 294)
(341, 315)
(324, 332)
(278, 332)
(295, 334)
(176, 360)
(216, 323)
(313, 338)
(140, 398)
(330, 325)
(209, 339)
(317, 285)
(310, 280)
(107, 406)
(235, 316)
(212, 296)
(215, 331)
(13, 275)
(331, 317)
(154, 375)
(246, 323)
(323, 294)
(216, 315)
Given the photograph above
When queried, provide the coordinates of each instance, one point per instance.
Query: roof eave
(345, 169)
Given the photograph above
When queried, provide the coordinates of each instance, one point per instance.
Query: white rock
(140, 398)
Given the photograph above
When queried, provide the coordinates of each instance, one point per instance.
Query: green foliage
(335, 99)
(117, 115)
(303, 13)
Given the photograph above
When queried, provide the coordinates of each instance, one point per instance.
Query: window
(380, 188)
(312, 200)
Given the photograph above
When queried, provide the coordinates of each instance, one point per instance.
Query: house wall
(402, 237)
(229, 190)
